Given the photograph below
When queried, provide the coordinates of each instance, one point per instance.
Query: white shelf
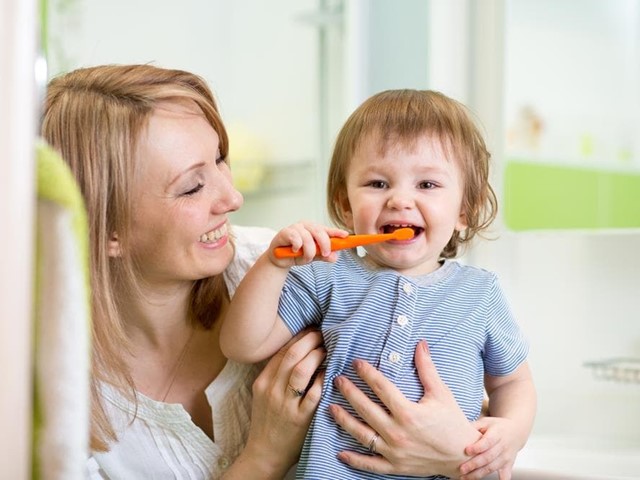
(622, 370)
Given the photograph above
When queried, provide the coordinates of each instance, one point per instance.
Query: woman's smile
(215, 235)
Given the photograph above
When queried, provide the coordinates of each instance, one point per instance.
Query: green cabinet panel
(554, 196)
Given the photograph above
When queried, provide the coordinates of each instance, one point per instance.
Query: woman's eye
(194, 190)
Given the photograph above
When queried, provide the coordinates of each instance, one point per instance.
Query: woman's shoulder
(249, 243)
(252, 238)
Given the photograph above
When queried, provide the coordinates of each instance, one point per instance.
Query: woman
(149, 150)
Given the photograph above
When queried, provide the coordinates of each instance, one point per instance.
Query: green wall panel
(549, 196)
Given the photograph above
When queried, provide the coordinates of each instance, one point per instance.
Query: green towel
(62, 323)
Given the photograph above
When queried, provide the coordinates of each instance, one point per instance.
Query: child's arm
(512, 407)
(252, 329)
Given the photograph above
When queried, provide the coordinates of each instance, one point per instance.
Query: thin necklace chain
(176, 367)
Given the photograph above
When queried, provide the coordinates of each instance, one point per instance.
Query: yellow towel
(62, 316)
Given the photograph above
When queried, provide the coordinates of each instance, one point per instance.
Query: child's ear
(113, 246)
(346, 214)
(462, 224)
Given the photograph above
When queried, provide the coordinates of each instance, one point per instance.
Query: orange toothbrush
(351, 241)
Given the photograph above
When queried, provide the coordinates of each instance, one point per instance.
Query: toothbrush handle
(286, 252)
(336, 244)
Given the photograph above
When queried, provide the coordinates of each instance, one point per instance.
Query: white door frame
(18, 20)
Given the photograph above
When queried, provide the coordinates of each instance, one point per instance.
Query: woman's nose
(228, 198)
(236, 200)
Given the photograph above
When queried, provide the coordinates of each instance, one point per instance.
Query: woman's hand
(423, 438)
(285, 396)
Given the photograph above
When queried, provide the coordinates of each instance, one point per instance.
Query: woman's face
(182, 197)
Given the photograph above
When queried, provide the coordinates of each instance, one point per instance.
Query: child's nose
(400, 200)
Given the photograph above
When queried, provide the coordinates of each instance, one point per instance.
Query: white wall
(576, 296)
(578, 66)
(238, 47)
(17, 132)
(575, 293)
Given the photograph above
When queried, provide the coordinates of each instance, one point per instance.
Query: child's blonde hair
(402, 117)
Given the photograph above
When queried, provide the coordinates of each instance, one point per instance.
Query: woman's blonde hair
(94, 118)
(401, 117)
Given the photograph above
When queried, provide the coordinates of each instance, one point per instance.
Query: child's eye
(220, 160)
(194, 190)
(427, 185)
(377, 184)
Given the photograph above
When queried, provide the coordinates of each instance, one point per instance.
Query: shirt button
(394, 357)
(402, 320)
(407, 288)
(223, 462)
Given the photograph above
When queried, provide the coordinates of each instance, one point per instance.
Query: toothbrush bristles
(403, 234)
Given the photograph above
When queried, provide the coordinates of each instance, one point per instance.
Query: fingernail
(425, 345)
(338, 381)
(357, 364)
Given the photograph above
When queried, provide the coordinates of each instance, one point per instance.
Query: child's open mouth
(390, 228)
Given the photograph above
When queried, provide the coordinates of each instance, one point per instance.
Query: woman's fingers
(382, 387)
(373, 414)
(367, 463)
(294, 364)
(358, 430)
(295, 351)
(297, 371)
(428, 374)
(280, 417)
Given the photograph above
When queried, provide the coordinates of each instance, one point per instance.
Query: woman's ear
(113, 247)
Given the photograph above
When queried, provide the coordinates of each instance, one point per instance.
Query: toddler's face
(406, 185)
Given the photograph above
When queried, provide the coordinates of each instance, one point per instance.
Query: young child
(404, 158)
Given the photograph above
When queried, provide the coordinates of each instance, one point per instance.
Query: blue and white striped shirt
(379, 316)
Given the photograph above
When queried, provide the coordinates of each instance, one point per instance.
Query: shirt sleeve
(301, 302)
(505, 344)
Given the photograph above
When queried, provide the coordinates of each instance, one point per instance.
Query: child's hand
(314, 240)
(496, 450)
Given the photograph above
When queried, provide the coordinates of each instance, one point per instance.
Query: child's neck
(372, 265)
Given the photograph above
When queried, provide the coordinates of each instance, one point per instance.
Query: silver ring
(372, 443)
(295, 391)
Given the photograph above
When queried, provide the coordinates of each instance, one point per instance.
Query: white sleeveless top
(162, 442)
